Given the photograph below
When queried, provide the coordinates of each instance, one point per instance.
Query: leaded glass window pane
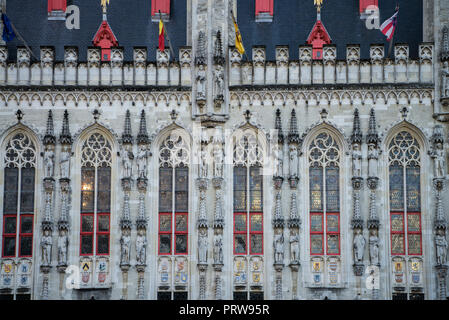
(240, 223)
(255, 185)
(396, 188)
(26, 224)
(87, 223)
(316, 188)
(316, 223)
(239, 189)
(26, 246)
(104, 189)
(256, 222)
(413, 189)
(181, 223)
(165, 223)
(10, 225)
(165, 189)
(414, 223)
(9, 246)
(256, 244)
(10, 190)
(87, 189)
(397, 243)
(316, 244)
(27, 191)
(103, 244)
(332, 189)
(164, 243)
(181, 243)
(240, 243)
(414, 243)
(397, 222)
(181, 189)
(332, 223)
(103, 223)
(87, 244)
(333, 244)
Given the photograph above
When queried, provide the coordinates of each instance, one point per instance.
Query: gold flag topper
(104, 3)
(318, 4)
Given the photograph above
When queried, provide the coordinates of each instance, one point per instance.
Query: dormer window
(366, 7)
(56, 9)
(160, 5)
(264, 10)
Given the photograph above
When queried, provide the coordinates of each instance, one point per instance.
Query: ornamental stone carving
(218, 248)
(374, 247)
(46, 244)
(63, 244)
(294, 246)
(359, 246)
(202, 246)
(142, 160)
(49, 161)
(441, 247)
(278, 248)
(125, 246)
(141, 247)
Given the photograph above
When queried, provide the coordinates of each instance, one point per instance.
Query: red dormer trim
(363, 4)
(264, 6)
(317, 38)
(105, 39)
(162, 5)
(57, 5)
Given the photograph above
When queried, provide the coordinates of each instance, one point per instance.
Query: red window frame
(414, 232)
(317, 233)
(397, 232)
(254, 232)
(162, 5)
(8, 235)
(363, 4)
(21, 234)
(263, 6)
(86, 233)
(164, 232)
(176, 233)
(57, 5)
(245, 233)
(102, 233)
(333, 232)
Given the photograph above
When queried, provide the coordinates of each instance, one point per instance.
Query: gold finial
(104, 4)
(318, 3)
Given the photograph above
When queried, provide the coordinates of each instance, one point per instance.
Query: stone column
(46, 241)
(440, 221)
(203, 242)
(142, 220)
(373, 223)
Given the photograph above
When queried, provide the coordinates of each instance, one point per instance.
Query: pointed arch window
(18, 197)
(173, 196)
(96, 162)
(248, 196)
(324, 184)
(405, 195)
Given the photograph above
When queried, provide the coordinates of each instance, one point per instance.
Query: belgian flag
(161, 36)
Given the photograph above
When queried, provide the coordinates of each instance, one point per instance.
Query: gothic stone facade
(212, 177)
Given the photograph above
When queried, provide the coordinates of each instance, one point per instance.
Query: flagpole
(23, 40)
(166, 35)
(392, 37)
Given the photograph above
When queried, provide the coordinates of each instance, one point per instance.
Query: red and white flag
(388, 27)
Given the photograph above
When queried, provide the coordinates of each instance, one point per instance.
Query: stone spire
(65, 137)
(218, 50)
(293, 135)
(201, 49)
(356, 136)
(445, 44)
(142, 136)
(294, 221)
(49, 137)
(278, 126)
(373, 136)
(127, 136)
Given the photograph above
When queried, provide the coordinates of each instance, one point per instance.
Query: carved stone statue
(438, 160)
(280, 161)
(46, 244)
(63, 244)
(201, 83)
(278, 248)
(293, 161)
(294, 247)
(203, 163)
(374, 247)
(128, 156)
(441, 247)
(218, 249)
(125, 243)
(142, 156)
(445, 80)
(218, 82)
(218, 161)
(64, 163)
(141, 247)
(202, 247)
(49, 157)
(356, 161)
(359, 246)
(373, 155)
